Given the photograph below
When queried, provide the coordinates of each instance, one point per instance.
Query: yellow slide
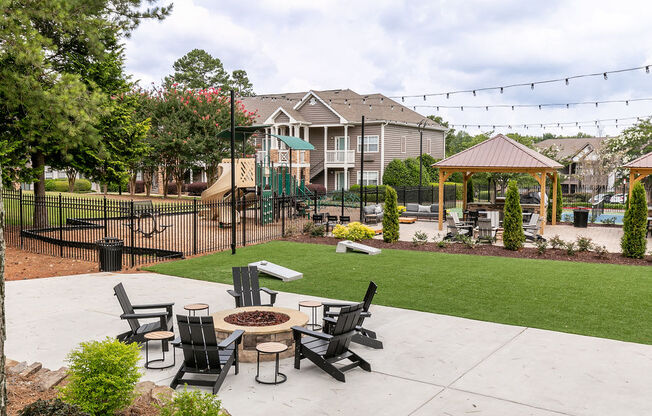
(220, 191)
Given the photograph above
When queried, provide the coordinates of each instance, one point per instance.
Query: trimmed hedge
(633, 242)
(397, 174)
(196, 188)
(316, 189)
(390, 217)
(371, 192)
(61, 185)
(513, 237)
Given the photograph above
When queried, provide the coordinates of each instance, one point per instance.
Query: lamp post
(361, 166)
(233, 199)
(421, 125)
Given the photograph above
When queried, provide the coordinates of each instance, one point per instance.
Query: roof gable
(321, 109)
(643, 162)
(499, 152)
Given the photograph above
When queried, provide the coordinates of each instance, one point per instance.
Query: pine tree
(633, 242)
(469, 190)
(390, 217)
(513, 236)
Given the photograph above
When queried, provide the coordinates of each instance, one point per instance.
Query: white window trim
(348, 142)
(357, 147)
(429, 146)
(367, 172)
(403, 144)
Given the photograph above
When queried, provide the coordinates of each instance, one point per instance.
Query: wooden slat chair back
(452, 227)
(126, 306)
(534, 220)
(197, 333)
(343, 330)
(245, 281)
(368, 298)
(485, 230)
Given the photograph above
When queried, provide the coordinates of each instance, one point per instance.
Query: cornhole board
(347, 245)
(274, 270)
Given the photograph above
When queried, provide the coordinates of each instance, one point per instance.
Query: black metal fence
(151, 230)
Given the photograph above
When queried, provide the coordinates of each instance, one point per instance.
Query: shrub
(419, 238)
(139, 187)
(53, 407)
(61, 185)
(396, 174)
(633, 242)
(316, 189)
(557, 242)
(102, 376)
(584, 243)
(172, 188)
(609, 221)
(442, 244)
(390, 218)
(412, 165)
(466, 240)
(354, 192)
(196, 188)
(191, 403)
(542, 245)
(307, 227)
(469, 190)
(600, 251)
(318, 231)
(428, 161)
(513, 236)
(401, 209)
(355, 231)
(560, 203)
(570, 248)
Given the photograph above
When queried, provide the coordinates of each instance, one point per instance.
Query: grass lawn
(602, 300)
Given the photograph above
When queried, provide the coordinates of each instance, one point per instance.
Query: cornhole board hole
(274, 270)
(347, 245)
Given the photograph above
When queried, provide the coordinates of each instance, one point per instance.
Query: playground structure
(220, 191)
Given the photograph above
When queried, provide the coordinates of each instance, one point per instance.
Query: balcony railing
(340, 156)
(261, 156)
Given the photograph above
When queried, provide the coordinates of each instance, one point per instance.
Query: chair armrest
(365, 314)
(328, 305)
(154, 305)
(306, 331)
(143, 315)
(234, 337)
(234, 293)
(272, 295)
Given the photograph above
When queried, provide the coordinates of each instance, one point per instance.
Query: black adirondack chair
(203, 355)
(246, 289)
(138, 330)
(326, 349)
(363, 335)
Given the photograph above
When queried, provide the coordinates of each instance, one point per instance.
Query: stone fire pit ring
(255, 335)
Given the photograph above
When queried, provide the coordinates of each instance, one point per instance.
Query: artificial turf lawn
(603, 300)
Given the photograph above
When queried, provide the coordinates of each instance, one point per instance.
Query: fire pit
(261, 324)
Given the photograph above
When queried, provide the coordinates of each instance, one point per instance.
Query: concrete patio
(431, 365)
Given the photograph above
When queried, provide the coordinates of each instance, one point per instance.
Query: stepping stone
(275, 270)
(31, 369)
(17, 368)
(52, 379)
(347, 245)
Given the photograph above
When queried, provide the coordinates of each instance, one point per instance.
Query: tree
(412, 166)
(633, 142)
(390, 216)
(396, 174)
(3, 333)
(47, 104)
(560, 203)
(198, 70)
(513, 236)
(427, 162)
(633, 242)
(241, 84)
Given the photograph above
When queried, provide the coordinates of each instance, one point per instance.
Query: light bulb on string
(424, 98)
(448, 95)
(402, 99)
(474, 93)
(501, 90)
(605, 76)
(566, 81)
(647, 69)
(487, 108)
(532, 86)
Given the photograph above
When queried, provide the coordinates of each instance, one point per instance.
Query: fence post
(194, 226)
(60, 227)
(342, 213)
(131, 234)
(243, 219)
(106, 231)
(419, 195)
(20, 209)
(376, 194)
(282, 214)
(403, 196)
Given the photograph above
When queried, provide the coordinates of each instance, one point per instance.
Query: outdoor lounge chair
(202, 355)
(533, 224)
(324, 350)
(455, 231)
(138, 330)
(246, 289)
(532, 233)
(486, 233)
(363, 335)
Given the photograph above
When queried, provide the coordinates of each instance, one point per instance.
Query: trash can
(110, 254)
(580, 218)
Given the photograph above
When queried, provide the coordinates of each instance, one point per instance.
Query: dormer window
(312, 101)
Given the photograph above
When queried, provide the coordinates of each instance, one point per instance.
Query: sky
(403, 47)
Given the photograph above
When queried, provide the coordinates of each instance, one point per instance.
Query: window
(370, 144)
(403, 145)
(370, 178)
(428, 148)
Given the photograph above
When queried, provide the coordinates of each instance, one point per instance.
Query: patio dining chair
(138, 329)
(203, 355)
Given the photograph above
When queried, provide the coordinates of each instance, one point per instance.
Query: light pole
(421, 125)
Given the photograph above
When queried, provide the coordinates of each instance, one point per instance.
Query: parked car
(618, 199)
(596, 199)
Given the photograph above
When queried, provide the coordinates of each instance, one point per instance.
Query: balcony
(261, 156)
(340, 157)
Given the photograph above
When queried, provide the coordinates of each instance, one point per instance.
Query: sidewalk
(431, 365)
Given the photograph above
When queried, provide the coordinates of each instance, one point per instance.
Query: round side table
(313, 305)
(164, 337)
(270, 348)
(194, 307)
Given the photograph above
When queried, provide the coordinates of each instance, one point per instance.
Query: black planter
(580, 218)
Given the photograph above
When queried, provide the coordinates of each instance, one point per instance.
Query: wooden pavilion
(639, 169)
(504, 155)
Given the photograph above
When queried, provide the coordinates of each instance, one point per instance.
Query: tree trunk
(72, 177)
(3, 333)
(147, 179)
(132, 183)
(40, 208)
(165, 176)
(178, 177)
(105, 188)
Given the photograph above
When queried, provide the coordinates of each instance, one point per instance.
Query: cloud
(405, 47)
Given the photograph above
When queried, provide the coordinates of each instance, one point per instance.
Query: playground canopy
(639, 169)
(500, 154)
(294, 143)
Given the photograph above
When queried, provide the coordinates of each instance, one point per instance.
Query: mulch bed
(21, 265)
(487, 250)
(257, 318)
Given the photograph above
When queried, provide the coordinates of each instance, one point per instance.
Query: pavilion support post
(542, 203)
(440, 202)
(554, 197)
